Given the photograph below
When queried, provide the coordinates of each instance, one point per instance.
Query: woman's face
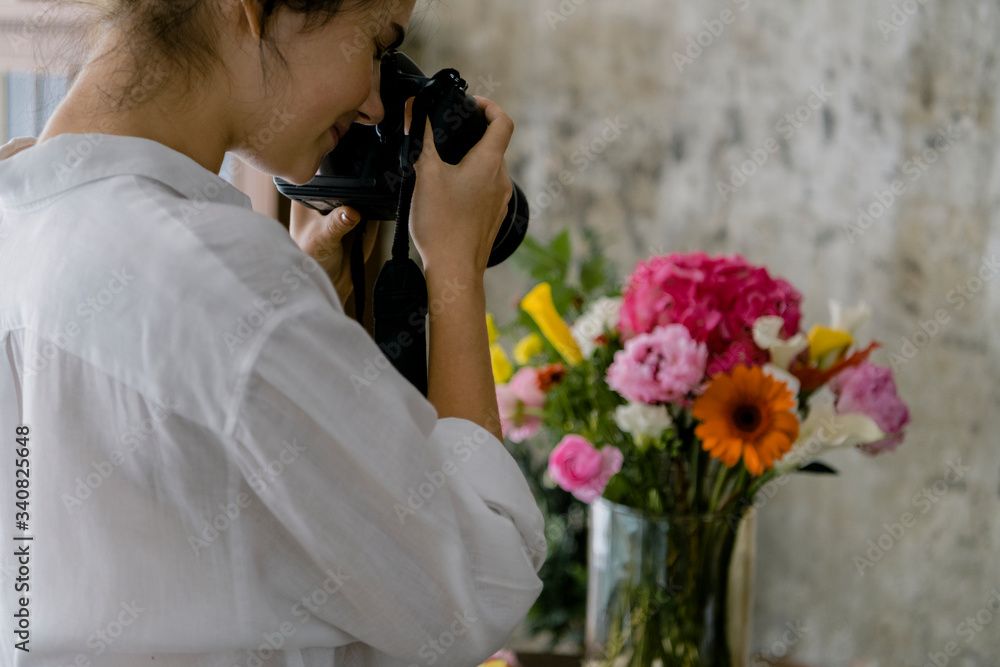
(332, 81)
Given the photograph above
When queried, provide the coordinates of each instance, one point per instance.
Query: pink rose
(871, 390)
(662, 366)
(520, 402)
(717, 298)
(577, 467)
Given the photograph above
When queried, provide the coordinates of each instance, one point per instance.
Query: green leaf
(560, 248)
(539, 262)
(592, 274)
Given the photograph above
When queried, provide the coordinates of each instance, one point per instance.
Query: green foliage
(561, 606)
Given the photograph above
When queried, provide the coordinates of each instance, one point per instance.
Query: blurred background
(851, 146)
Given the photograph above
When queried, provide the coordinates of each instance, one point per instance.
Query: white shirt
(224, 470)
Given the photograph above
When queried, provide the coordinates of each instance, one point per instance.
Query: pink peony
(662, 366)
(577, 467)
(717, 298)
(870, 390)
(521, 393)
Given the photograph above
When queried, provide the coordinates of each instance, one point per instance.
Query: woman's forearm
(460, 375)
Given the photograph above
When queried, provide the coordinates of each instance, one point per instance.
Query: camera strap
(399, 301)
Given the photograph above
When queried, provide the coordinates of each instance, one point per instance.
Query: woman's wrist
(460, 377)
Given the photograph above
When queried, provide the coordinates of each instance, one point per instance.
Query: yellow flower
(538, 304)
(824, 341)
(491, 328)
(528, 347)
(502, 370)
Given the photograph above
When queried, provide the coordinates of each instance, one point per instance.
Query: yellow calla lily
(824, 341)
(491, 328)
(528, 347)
(538, 304)
(502, 369)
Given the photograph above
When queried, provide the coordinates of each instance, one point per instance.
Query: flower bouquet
(665, 409)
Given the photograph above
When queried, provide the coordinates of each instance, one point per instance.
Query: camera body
(367, 168)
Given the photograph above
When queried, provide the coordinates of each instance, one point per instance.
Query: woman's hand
(454, 218)
(457, 209)
(322, 238)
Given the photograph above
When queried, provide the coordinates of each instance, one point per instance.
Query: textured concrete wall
(566, 70)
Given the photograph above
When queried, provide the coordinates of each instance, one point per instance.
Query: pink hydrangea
(662, 366)
(577, 467)
(717, 298)
(871, 390)
(520, 402)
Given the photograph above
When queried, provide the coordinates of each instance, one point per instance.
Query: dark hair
(175, 40)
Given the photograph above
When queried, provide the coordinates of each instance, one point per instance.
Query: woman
(224, 470)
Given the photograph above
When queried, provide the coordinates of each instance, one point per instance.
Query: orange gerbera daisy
(746, 413)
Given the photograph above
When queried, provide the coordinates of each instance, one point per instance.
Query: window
(27, 99)
(29, 95)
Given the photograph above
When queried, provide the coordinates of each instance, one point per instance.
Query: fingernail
(348, 219)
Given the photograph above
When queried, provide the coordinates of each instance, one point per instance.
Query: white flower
(825, 429)
(848, 319)
(643, 421)
(767, 336)
(602, 315)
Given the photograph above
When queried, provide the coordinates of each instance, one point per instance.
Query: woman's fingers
(311, 227)
(499, 130)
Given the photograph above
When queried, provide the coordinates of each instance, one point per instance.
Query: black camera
(370, 163)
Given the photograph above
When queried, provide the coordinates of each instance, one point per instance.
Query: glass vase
(667, 591)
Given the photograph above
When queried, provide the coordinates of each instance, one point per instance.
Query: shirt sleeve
(422, 532)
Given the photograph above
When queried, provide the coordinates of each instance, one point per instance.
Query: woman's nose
(372, 112)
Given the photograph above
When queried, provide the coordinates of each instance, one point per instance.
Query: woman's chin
(301, 174)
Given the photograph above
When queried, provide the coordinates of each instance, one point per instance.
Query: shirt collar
(37, 171)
